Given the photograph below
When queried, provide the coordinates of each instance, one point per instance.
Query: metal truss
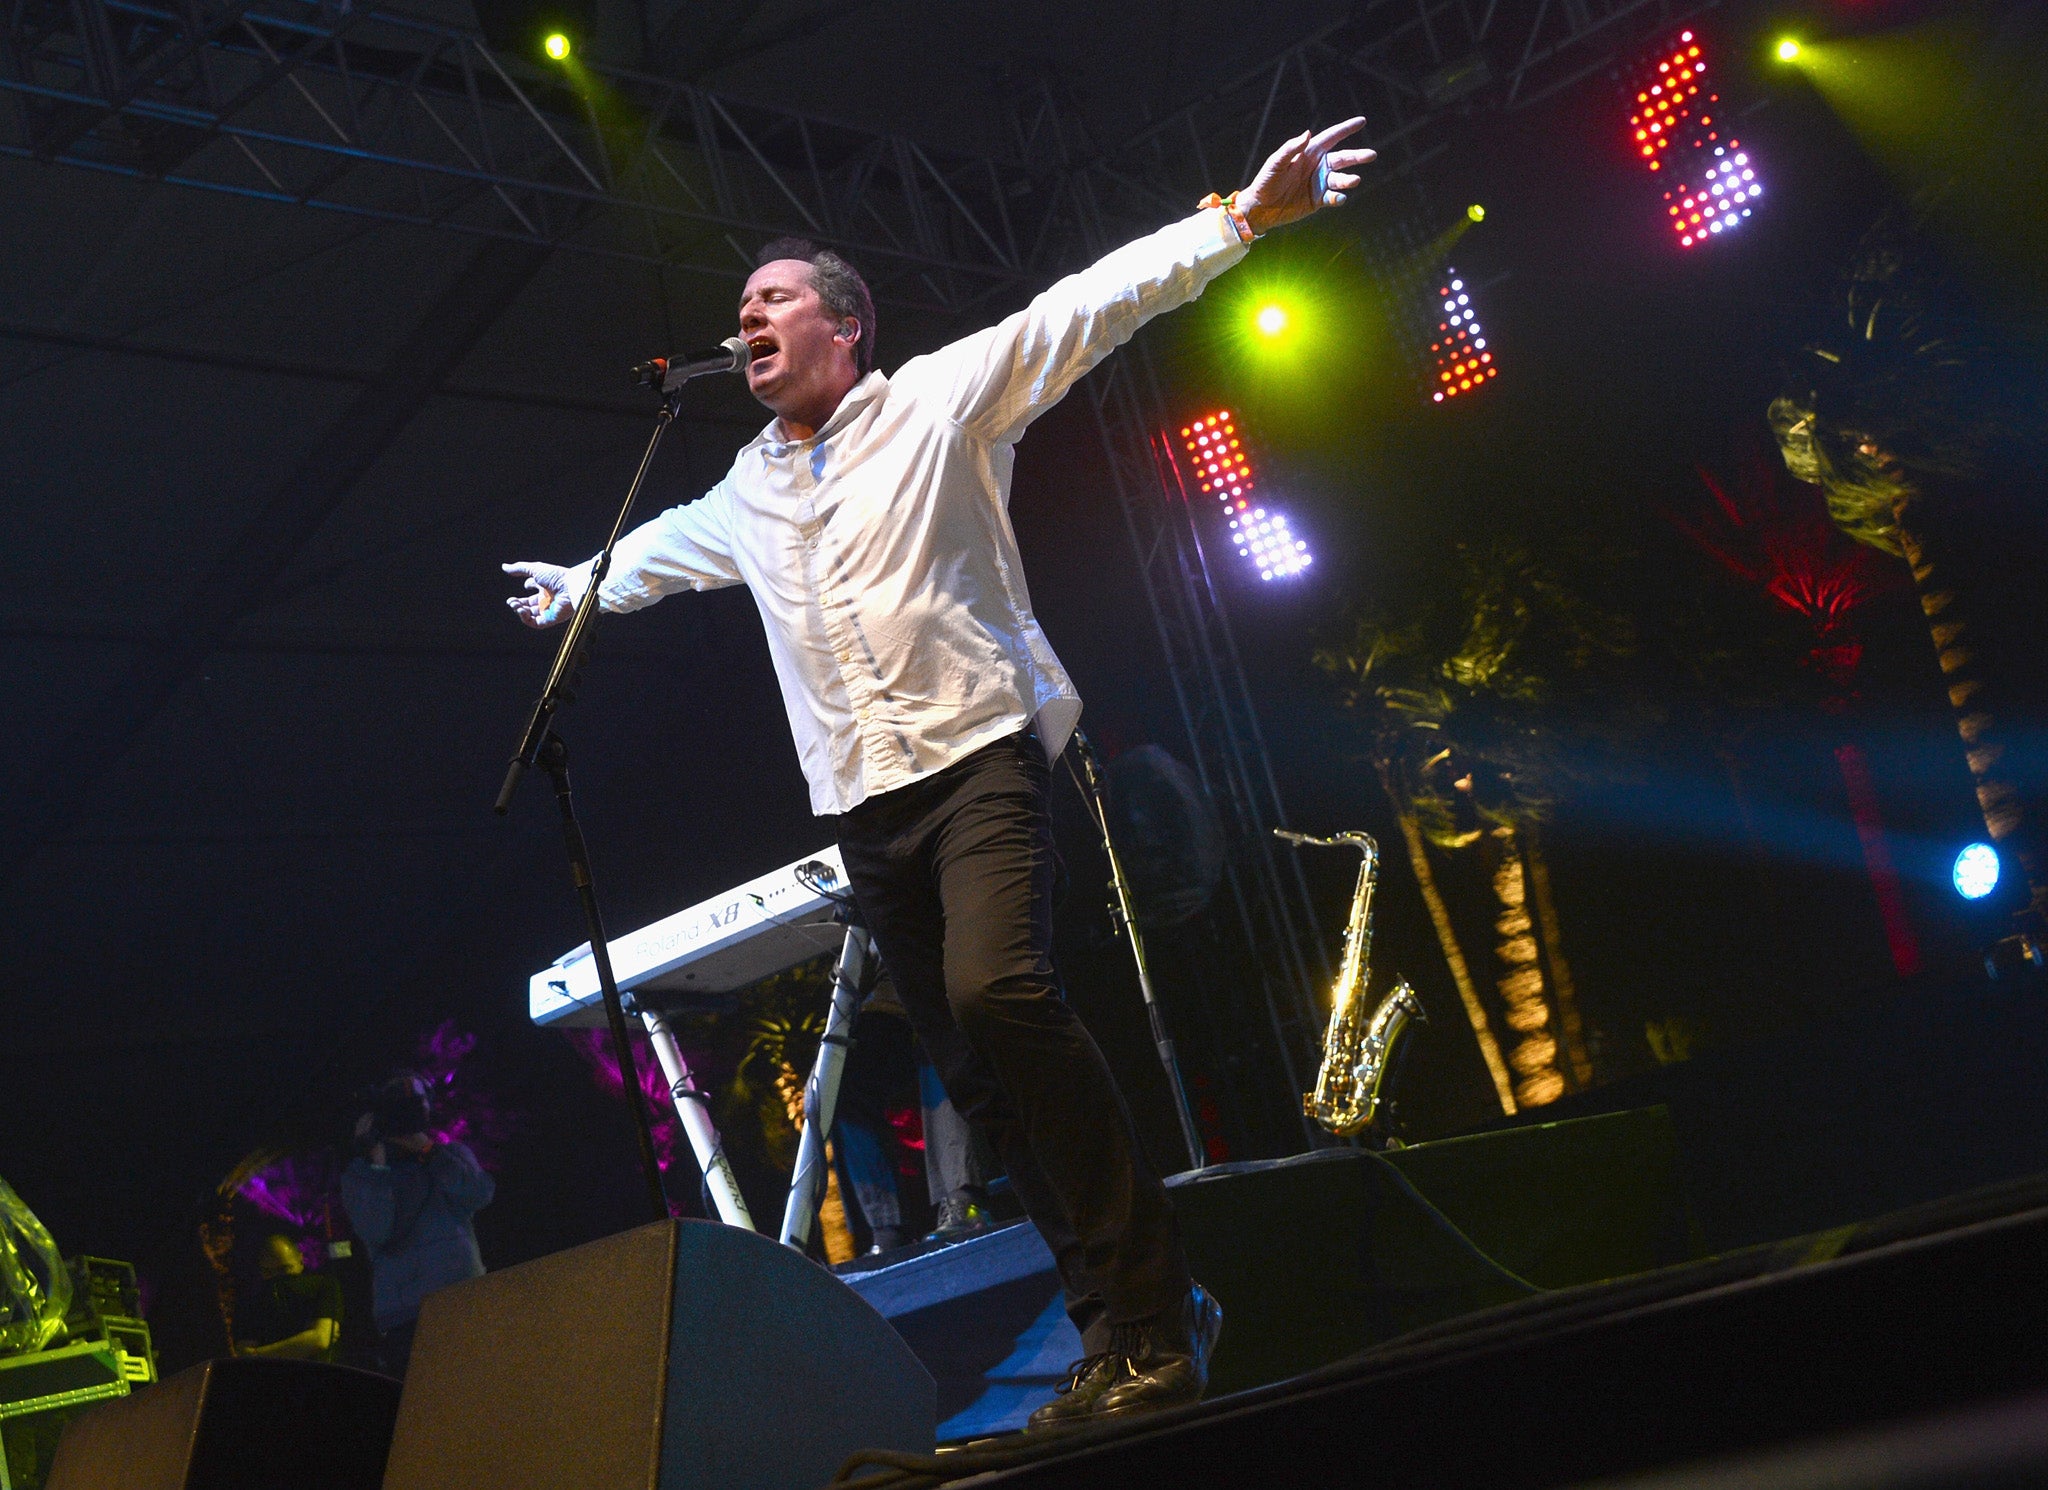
(1414, 68)
(356, 107)
(1228, 754)
(361, 109)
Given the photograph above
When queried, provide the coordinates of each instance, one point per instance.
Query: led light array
(1462, 361)
(1730, 191)
(1667, 101)
(1673, 131)
(1263, 538)
(1221, 467)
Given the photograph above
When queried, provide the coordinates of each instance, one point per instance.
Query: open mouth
(759, 350)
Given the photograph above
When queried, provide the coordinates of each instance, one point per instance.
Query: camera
(395, 1107)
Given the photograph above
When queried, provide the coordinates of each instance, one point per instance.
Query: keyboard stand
(850, 977)
(850, 974)
(693, 1111)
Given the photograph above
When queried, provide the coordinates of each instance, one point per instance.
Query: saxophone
(1358, 1046)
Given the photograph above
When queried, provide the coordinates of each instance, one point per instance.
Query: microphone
(1091, 765)
(670, 373)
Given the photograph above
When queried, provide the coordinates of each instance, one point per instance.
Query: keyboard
(715, 947)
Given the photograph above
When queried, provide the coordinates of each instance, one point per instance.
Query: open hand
(1303, 175)
(544, 603)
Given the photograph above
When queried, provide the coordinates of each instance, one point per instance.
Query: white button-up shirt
(880, 550)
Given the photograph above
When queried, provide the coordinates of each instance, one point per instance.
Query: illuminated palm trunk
(833, 1227)
(1566, 992)
(1972, 697)
(1454, 956)
(1524, 997)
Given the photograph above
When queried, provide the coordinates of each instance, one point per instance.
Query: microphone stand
(541, 746)
(1089, 779)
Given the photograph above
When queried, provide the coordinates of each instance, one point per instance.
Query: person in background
(291, 1314)
(880, 1064)
(410, 1198)
(959, 1162)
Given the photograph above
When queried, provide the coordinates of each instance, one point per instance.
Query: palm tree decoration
(1458, 704)
(1791, 553)
(1904, 414)
(783, 1044)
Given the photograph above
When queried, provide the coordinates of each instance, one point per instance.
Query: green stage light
(557, 46)
(1788, 50)
(1476, 212)
(1271, 319)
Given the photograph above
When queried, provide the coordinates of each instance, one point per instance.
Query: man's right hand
(544, 603)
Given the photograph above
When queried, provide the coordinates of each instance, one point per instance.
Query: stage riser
(1913, 1329)
(1314, 1258)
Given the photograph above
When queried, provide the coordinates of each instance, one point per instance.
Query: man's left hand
(1303, 175)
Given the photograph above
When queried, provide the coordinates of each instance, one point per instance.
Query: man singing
(870, 519)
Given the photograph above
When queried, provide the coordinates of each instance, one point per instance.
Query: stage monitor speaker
(246, 1424)
(679, 1356)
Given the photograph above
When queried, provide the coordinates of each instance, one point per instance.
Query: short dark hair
(838, 284)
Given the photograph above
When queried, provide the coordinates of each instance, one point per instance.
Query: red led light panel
(1215, 453)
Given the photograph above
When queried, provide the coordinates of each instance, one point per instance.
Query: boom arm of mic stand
(569, 655)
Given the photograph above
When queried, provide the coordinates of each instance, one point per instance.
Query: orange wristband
(1237, 218)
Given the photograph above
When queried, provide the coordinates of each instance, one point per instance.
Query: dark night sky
(292, 871)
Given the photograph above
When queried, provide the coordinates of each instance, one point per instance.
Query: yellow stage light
(1476, 212)
(557, 46)
(1788, 50)
(1272, 320)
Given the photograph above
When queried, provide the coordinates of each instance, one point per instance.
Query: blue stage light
(1976, 871)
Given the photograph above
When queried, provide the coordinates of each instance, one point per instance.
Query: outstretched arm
(687, 547)
(997, 381)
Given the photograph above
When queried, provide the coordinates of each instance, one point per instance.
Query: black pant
(954, 876)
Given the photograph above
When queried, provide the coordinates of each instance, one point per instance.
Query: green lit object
(35, 1286)
(1476, 212)
(557, 46)
(1271, 319)
(1788, 50)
